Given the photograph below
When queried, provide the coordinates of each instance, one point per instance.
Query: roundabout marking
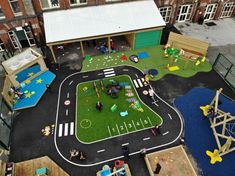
(85, 123)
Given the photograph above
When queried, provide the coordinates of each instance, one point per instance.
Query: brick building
(19, 25)
(21, 21)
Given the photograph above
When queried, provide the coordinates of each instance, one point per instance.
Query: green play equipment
(113, 108)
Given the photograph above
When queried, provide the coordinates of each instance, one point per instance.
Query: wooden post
(109, 46)
(82, 49)
(133, 41)
(52, 52)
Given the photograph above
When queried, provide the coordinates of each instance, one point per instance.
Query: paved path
(108, 150)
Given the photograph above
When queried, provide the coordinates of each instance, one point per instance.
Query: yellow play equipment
(220, 118)
(172, 68)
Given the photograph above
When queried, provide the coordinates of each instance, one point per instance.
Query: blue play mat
(198, 133)
(34, 90)
(143, 55)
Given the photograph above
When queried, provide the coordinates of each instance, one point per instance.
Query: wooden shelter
(139, 21)
(15, 65)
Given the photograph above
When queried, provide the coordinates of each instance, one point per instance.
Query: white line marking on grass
(108, 69)
(86, 76)
(149, 121)
(125, 69)
(136, 76)
(126, 127)
(109, 75)
(165, 133)
(134, 125)
(66, 129)
(99, 151)
(142, 123)
(109, 131)
(136, 84)
(140, 83)
(170, 116)
(145, 139)
(100, 74)
(117, 129)
(71, 128)
(125, 144)
(71, 82)
(67, 112)
(68, 95)
(60, 130)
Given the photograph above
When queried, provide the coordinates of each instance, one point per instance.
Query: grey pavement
(221, 37)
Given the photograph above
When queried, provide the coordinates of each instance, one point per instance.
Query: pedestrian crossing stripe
(139, 82)
(66, 129)
(109, 72)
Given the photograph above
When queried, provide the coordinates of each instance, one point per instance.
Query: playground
(122, 112)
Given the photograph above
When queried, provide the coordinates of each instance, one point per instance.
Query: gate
(226, 69)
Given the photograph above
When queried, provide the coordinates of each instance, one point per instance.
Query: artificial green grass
(156, 60)
(93, 125)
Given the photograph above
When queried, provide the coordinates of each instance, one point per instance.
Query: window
(184, 13)
(77, 2)
(2, 46)
(48, 4)
(1, 13)
(210, 12)
(15, 7)
(166, 13)
(227, 9)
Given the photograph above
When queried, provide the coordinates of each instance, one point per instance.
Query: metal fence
(226, 69)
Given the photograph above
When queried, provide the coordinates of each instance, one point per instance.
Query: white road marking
(126, 127)
(72, 128)
(134, 125)
(86, 76)
(108, 69)
(125, 69)
(99, 151)
(149, 121)
(142, 79)
(155, 103)
(67, 112)
(100, 74)
(68, 95)
(136, 84)
(117, 129)
(165, 133)
(145, 139)
(136, 76)
(71, 82)
(142, 122)
(170, 116)
(66, 129)
(125, 144)
(60, 130)
(109, 75)
(140, 83)
(109, 131)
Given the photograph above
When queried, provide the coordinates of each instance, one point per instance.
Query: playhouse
(27, 75)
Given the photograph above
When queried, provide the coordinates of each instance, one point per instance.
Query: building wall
(11, 21)
(33, 12)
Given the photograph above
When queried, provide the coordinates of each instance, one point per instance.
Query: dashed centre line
(100, 151)
(145, 139)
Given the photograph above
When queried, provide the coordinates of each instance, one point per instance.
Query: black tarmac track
(27, 141)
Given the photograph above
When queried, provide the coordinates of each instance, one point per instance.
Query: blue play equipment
(27, 73)
(123, 114)
(143, 55)
(198, 133)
